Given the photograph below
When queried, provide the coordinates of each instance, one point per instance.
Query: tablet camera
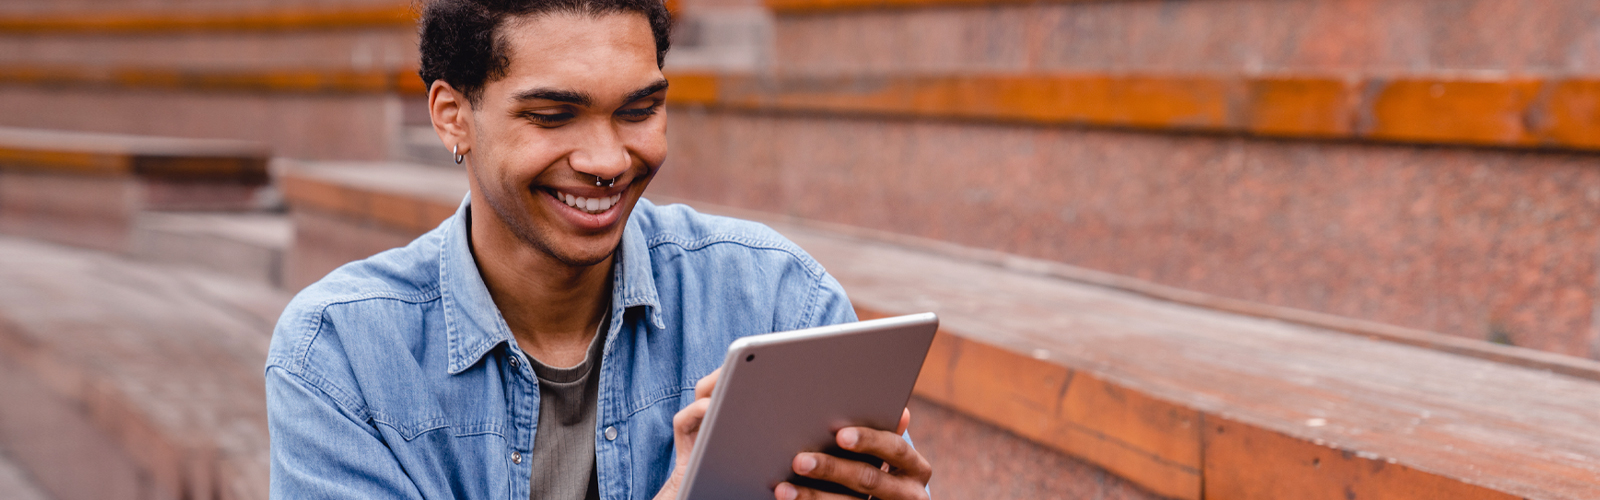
(750, 357)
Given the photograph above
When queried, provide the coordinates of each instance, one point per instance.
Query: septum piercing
(608, 182)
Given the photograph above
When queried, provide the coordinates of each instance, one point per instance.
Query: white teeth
(591, 205)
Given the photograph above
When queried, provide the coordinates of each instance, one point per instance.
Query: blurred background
(1182, 249)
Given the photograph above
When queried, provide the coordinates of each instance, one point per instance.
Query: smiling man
(559, 336)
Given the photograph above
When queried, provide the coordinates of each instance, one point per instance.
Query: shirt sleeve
(321, 451)
(830, 306)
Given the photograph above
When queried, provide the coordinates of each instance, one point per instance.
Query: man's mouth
(590, 205)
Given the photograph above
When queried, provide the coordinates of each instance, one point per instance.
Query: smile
(590, 205)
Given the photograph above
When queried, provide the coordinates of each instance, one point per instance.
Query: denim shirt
(397, 377)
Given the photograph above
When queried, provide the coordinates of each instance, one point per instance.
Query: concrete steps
(133, 356)
(249, 246)
(145, 377)
(1201, 145)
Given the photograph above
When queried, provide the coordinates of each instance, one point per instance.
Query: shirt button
(611, 433)
(515, 361)
(516, 458)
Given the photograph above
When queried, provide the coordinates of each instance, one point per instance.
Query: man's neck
(553, 308)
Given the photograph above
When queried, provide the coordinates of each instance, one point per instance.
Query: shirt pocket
(453, 458)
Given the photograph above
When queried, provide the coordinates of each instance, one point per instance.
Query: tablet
(783, 393)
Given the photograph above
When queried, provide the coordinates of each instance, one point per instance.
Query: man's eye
(638, 114)
(548, 118)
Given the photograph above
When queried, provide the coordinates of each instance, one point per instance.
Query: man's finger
(888, 446)
(857, 476)
(905, 421)
(687, 421)
(703, 388)
(789, 491)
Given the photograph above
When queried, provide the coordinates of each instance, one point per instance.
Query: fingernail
(786, 491)
(807, 462)
(848, 438)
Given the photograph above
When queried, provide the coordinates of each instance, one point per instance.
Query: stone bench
(85, 189)
(1191, 402)
(1166, 397)
(122, 379)
(344, 211)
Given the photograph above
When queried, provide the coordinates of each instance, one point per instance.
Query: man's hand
(906, 477)
(685, 428)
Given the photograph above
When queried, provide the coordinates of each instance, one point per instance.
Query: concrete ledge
(348, 211)
(1492, 110)
(148, 377)
(84, 188)
(244, 245)
(977, 460)
(395, 15)
(1193, 403)
(299, 81)
(156, 158)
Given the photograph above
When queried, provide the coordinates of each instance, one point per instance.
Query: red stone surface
(361, 49)
(1215, 35)
(973, 460)
(1478, 243)
(1137, 376)
(323, 242)
(130, 380)
(349, 211)
(90, 211)
(26, 6)
(1236, 467)
(329, 126)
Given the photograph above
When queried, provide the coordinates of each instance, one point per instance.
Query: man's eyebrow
(658, 86)
(566, 96)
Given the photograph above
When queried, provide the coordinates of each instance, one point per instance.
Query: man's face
(581, 102)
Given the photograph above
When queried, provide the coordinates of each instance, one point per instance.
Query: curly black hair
(461, 43)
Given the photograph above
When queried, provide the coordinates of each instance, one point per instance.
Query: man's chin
(581, 260)
(587, 252)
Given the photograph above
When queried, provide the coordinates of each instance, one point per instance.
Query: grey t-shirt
(563, 445)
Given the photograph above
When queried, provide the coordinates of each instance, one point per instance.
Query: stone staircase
(1172, 263)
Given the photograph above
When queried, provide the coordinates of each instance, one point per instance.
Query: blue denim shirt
(397, 377)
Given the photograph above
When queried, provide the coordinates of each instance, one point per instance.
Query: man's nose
(602, 155)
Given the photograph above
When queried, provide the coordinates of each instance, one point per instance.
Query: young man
(557, 338)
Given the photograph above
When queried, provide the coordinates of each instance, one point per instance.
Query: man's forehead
(567, 37)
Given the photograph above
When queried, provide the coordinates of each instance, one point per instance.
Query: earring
(459, 157)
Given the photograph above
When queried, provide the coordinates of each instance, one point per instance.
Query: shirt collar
(474, 326)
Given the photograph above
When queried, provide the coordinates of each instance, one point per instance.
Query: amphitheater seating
(131, 380)
(1429, 172)
(85, 189)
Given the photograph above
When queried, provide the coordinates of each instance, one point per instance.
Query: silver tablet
(784, 393)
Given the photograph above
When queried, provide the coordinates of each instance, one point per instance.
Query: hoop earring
(459, 157)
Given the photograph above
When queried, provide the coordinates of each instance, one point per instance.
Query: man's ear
(452, 116)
